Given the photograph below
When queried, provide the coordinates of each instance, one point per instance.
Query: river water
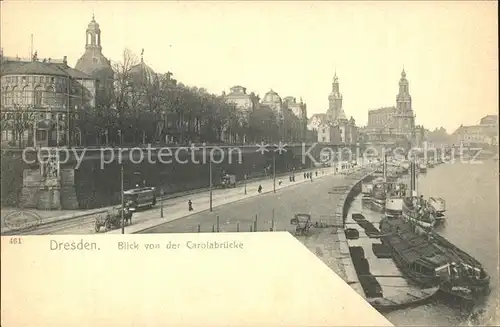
(471, 195)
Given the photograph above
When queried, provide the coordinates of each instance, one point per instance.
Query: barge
(430, 260)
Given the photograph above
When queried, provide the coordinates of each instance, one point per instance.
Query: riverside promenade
(82, 221)
(324, 199)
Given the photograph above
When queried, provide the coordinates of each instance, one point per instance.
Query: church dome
(93, 25)
(142, 71)
(271, 97)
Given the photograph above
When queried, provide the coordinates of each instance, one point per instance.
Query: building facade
(334, 126)
(393, 124)
(297, 113)
(40, 99)
(486, 133)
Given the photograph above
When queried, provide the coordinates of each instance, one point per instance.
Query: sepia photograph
(368, 131)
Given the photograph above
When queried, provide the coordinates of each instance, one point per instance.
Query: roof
(142, 69)
(382, 110)
(32, 68)
(318, 116)
(271, 96)
(74, 73)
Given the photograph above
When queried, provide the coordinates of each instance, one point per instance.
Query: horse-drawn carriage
(303, 223)
(113, 218)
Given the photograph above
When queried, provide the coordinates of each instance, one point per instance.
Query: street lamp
(210, 173)
(274, 172)
(121, 182)
(245, 181)
(161, 207)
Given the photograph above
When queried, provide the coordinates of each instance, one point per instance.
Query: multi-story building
(489, 120)
(393, 124)
(316, 120)
(246, 104)
(297, 111)
(39, 100)
(328, 133)
(334, 127)
(486, 133)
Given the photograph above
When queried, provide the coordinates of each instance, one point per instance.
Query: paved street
(310, 197)
(177, 208)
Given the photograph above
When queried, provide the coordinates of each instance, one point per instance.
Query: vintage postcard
(244, 163)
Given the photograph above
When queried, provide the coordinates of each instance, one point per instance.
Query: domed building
(142, 73)
(273, 101)
(93, 62)
(39, 99)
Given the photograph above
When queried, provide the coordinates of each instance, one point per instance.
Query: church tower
(93, 61)
(403, 99)
(334, 101)
(404, 111)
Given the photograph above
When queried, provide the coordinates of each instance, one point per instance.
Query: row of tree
(146, 107)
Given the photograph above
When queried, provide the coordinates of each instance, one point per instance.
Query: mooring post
(218, 226)
(199, 228)
(255, 223)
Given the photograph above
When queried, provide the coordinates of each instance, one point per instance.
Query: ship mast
(413, 178)
(384, 167)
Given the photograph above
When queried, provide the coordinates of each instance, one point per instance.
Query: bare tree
(19, 120)
(123, 90)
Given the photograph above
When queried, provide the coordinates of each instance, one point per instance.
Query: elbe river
(471, 195)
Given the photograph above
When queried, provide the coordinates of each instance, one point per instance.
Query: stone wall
(92, 187)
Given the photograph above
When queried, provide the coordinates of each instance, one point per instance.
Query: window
(15, 95)
(26, 96)
(38, 96)
(49, 96)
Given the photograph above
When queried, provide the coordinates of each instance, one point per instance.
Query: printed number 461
(16, 240)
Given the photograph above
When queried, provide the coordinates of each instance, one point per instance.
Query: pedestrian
(190, 205)
(305, 175)
(259, 189)
(316, 173)
(279, 183)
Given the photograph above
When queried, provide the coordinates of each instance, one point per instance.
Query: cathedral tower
(404, 111)
(334, 100)
(403, 99)
(335, 111)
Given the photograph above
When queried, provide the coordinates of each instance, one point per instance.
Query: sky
(449, 49)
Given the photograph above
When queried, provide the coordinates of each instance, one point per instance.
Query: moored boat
(430, 260)
(416, 211)
(378, 196)
(394, 200)
(437, 208)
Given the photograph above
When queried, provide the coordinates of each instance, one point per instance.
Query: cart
(303, 223)
(112, 219)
